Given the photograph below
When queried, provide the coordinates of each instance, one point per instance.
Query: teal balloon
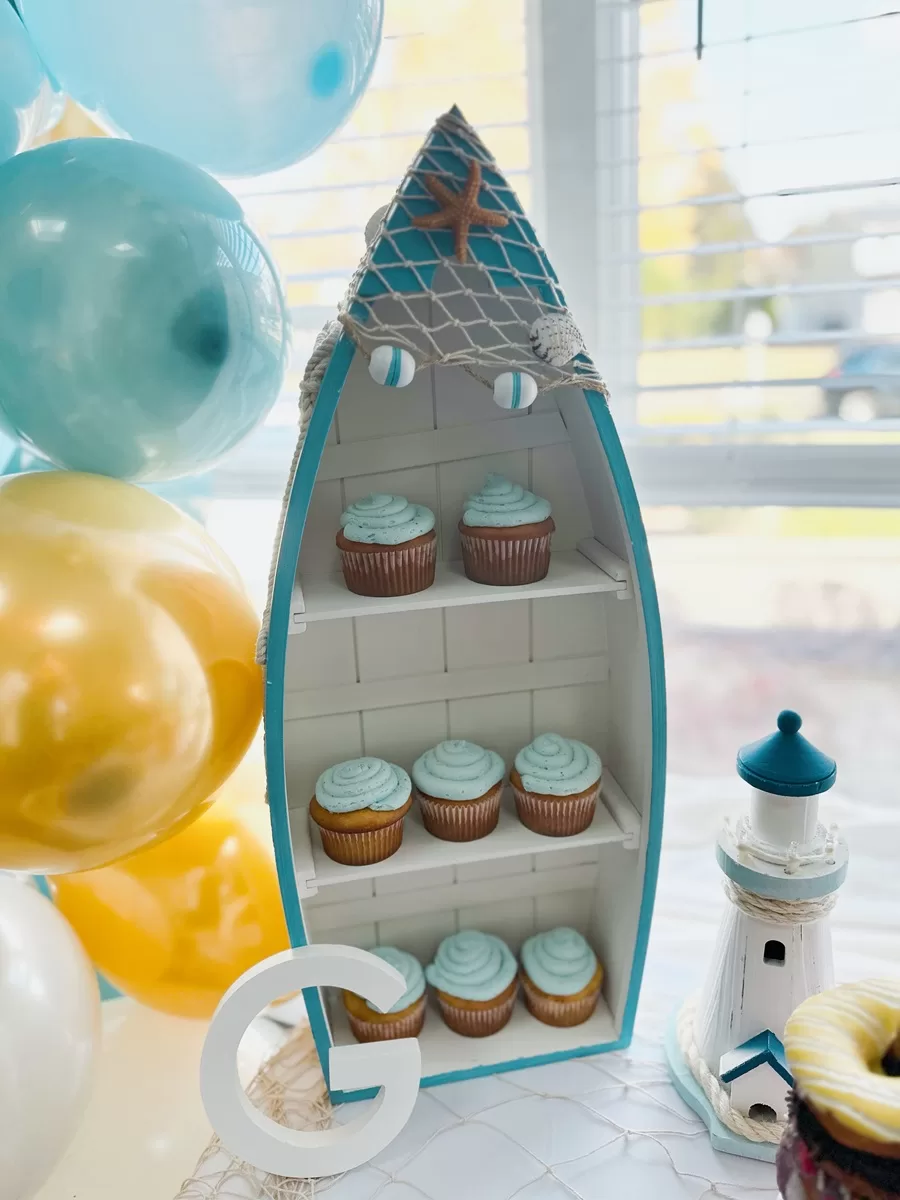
(27, 96)
(143, 331)
(239, 87)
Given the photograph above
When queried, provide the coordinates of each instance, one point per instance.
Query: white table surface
(594, 1129)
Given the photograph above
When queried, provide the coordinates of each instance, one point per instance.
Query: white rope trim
(779, 912)
(746, 1127)
(309, 390)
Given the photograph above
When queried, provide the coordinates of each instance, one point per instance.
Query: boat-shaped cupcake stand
(578, 652)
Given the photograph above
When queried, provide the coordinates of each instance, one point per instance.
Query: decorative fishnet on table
(599, 1128)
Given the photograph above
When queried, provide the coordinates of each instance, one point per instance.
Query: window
(773, 954)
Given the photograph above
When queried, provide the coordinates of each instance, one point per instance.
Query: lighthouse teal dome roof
(785, 763)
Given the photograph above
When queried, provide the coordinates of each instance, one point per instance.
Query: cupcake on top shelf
(359, 808)
(475, 981)
(388, 546)
(556, 781)
(459, 786)
(407, 1016)
(561, 977)
(505, 533)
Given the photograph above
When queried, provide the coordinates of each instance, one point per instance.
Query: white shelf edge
(571, 573)
(421, 852)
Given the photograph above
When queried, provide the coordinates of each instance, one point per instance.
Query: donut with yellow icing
(842, 1050)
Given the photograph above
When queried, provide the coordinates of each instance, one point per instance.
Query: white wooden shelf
(327, 598)
(421, 851)
(444, 1051)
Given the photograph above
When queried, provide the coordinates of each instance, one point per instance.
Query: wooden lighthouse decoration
(782, 870)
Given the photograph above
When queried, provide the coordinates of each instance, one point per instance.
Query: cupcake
(459, 786)
(556, 781)
(474, 977)
(561, 977)
(388, 546)
(407, 1016)
(505, 534)
(359, 808)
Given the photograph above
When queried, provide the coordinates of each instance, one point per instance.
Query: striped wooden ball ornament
(392, 366)
(515, 389)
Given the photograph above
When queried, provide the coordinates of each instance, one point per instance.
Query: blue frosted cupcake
(407, 1016)
(556, 781)
(561, 977)
(505, 534)
(474, 976)
(359, 808)
(459, 786)
(388, 546)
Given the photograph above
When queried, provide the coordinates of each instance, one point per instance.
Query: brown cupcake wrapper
(556, 816)
(363, 847)
(394, 571)
(477, 1022)
(407, 1024)
(461, 821)
(505, 562)
(558, 1010)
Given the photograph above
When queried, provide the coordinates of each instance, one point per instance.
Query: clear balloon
(49, 1035)
(144, 332)
(28, 100)
(240, 87)
(128, 684)
(174, 926)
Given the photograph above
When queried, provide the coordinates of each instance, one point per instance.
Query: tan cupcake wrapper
(407, 1024)
(390, 571)
(559, 1010)
(461, 820)
(505, 562)
(362, 847)
(476, 1022)
(556, 816)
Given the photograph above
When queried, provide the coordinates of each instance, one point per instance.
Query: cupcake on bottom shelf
(407, 1016)
(505, 534)
(556, 781)
(459, 786)
(359, 808)
(561, 977)
(474, 977)
(388, 546)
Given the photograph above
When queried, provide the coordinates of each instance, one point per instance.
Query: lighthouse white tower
(782, 870)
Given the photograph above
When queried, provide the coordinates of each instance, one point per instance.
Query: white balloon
(49, 1032)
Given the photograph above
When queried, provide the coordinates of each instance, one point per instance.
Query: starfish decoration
(459, 210)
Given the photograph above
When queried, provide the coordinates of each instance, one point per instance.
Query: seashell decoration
(555, 339)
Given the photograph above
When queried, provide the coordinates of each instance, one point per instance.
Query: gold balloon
(128, 687)
(175, 925)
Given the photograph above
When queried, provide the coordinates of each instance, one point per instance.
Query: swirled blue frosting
(553, 765)
(457, 770)
(501, 504)
(363, 783)
(560, 962)
(472, 966)
(385, 520)
(411, 970)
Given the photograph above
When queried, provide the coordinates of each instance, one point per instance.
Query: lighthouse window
(773, 953)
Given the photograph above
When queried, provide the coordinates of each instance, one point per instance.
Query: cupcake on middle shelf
(505, 534)
(556, 781)
(407, 1016)
(561, 977)
(359, 808)
(475, 979)
(388, 546)
(459, 786)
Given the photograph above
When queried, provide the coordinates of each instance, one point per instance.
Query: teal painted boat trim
(279, 626)
(646, 588)
(298, 506)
